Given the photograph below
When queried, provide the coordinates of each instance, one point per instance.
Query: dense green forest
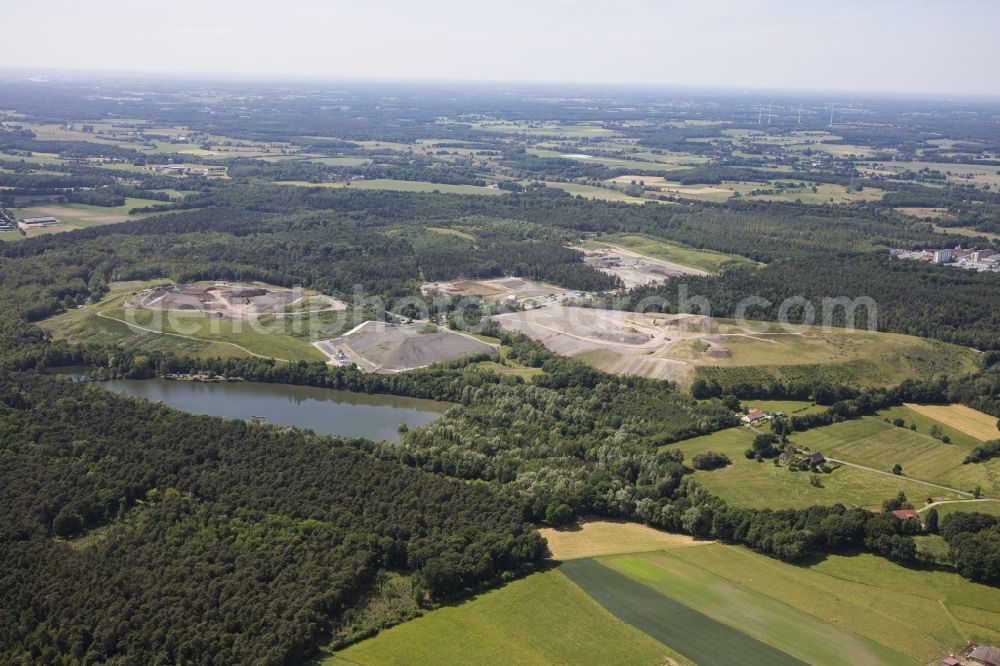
(297, 527)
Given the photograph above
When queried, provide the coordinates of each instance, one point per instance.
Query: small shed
(986, 655)
(907, 514)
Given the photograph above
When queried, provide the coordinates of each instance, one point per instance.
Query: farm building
(950, 661)
(816, 458)
(754, 416)
(985, 654)
(906, 514)
(38, 222)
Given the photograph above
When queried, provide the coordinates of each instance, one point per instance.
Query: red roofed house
(753, 416)
(906, 514)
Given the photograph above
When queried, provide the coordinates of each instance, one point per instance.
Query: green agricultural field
(872, 442)
(922, 614)
(80, 216)
(705, 260)
(400, 186)
(448, 231)
(978, 174)
(789, 407)
(594, 192)
(10, 236)
(746, 482)
(541, 619)
(697, 636)
(35, 158)
(990, 506)
(825, 193)
(809, 638)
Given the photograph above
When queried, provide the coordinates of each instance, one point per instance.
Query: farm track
(898, 476)
(965, 501)
(103, 315)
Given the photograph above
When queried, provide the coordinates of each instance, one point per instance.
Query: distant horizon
(85, 75)
(909, 47)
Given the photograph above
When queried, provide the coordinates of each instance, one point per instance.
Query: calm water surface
(326, 411)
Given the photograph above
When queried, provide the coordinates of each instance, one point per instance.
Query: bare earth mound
(231, 301)
(496, 290)
(633, 269)
(379, 347)
(675, 347)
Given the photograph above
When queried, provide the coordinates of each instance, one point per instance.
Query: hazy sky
(875, 45)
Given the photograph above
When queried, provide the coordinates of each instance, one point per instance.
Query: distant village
(971, 259)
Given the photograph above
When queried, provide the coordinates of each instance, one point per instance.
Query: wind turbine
(800, 114)
(769, 113)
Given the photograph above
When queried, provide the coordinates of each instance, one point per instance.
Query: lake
(326, 411)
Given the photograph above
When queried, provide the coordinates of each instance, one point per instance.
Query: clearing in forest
(590, 538)
(748, 483)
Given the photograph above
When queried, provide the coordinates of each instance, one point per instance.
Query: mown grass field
(990, 506)
(921, 614)
(789, 407)
(541, 619)
(108, 322)
(872, 442)
(805, 637)
(746, 482)
(705, 260)
(590, 538)
(961, 418)
(697, 636)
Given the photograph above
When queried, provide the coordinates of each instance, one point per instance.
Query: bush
(709, 460)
